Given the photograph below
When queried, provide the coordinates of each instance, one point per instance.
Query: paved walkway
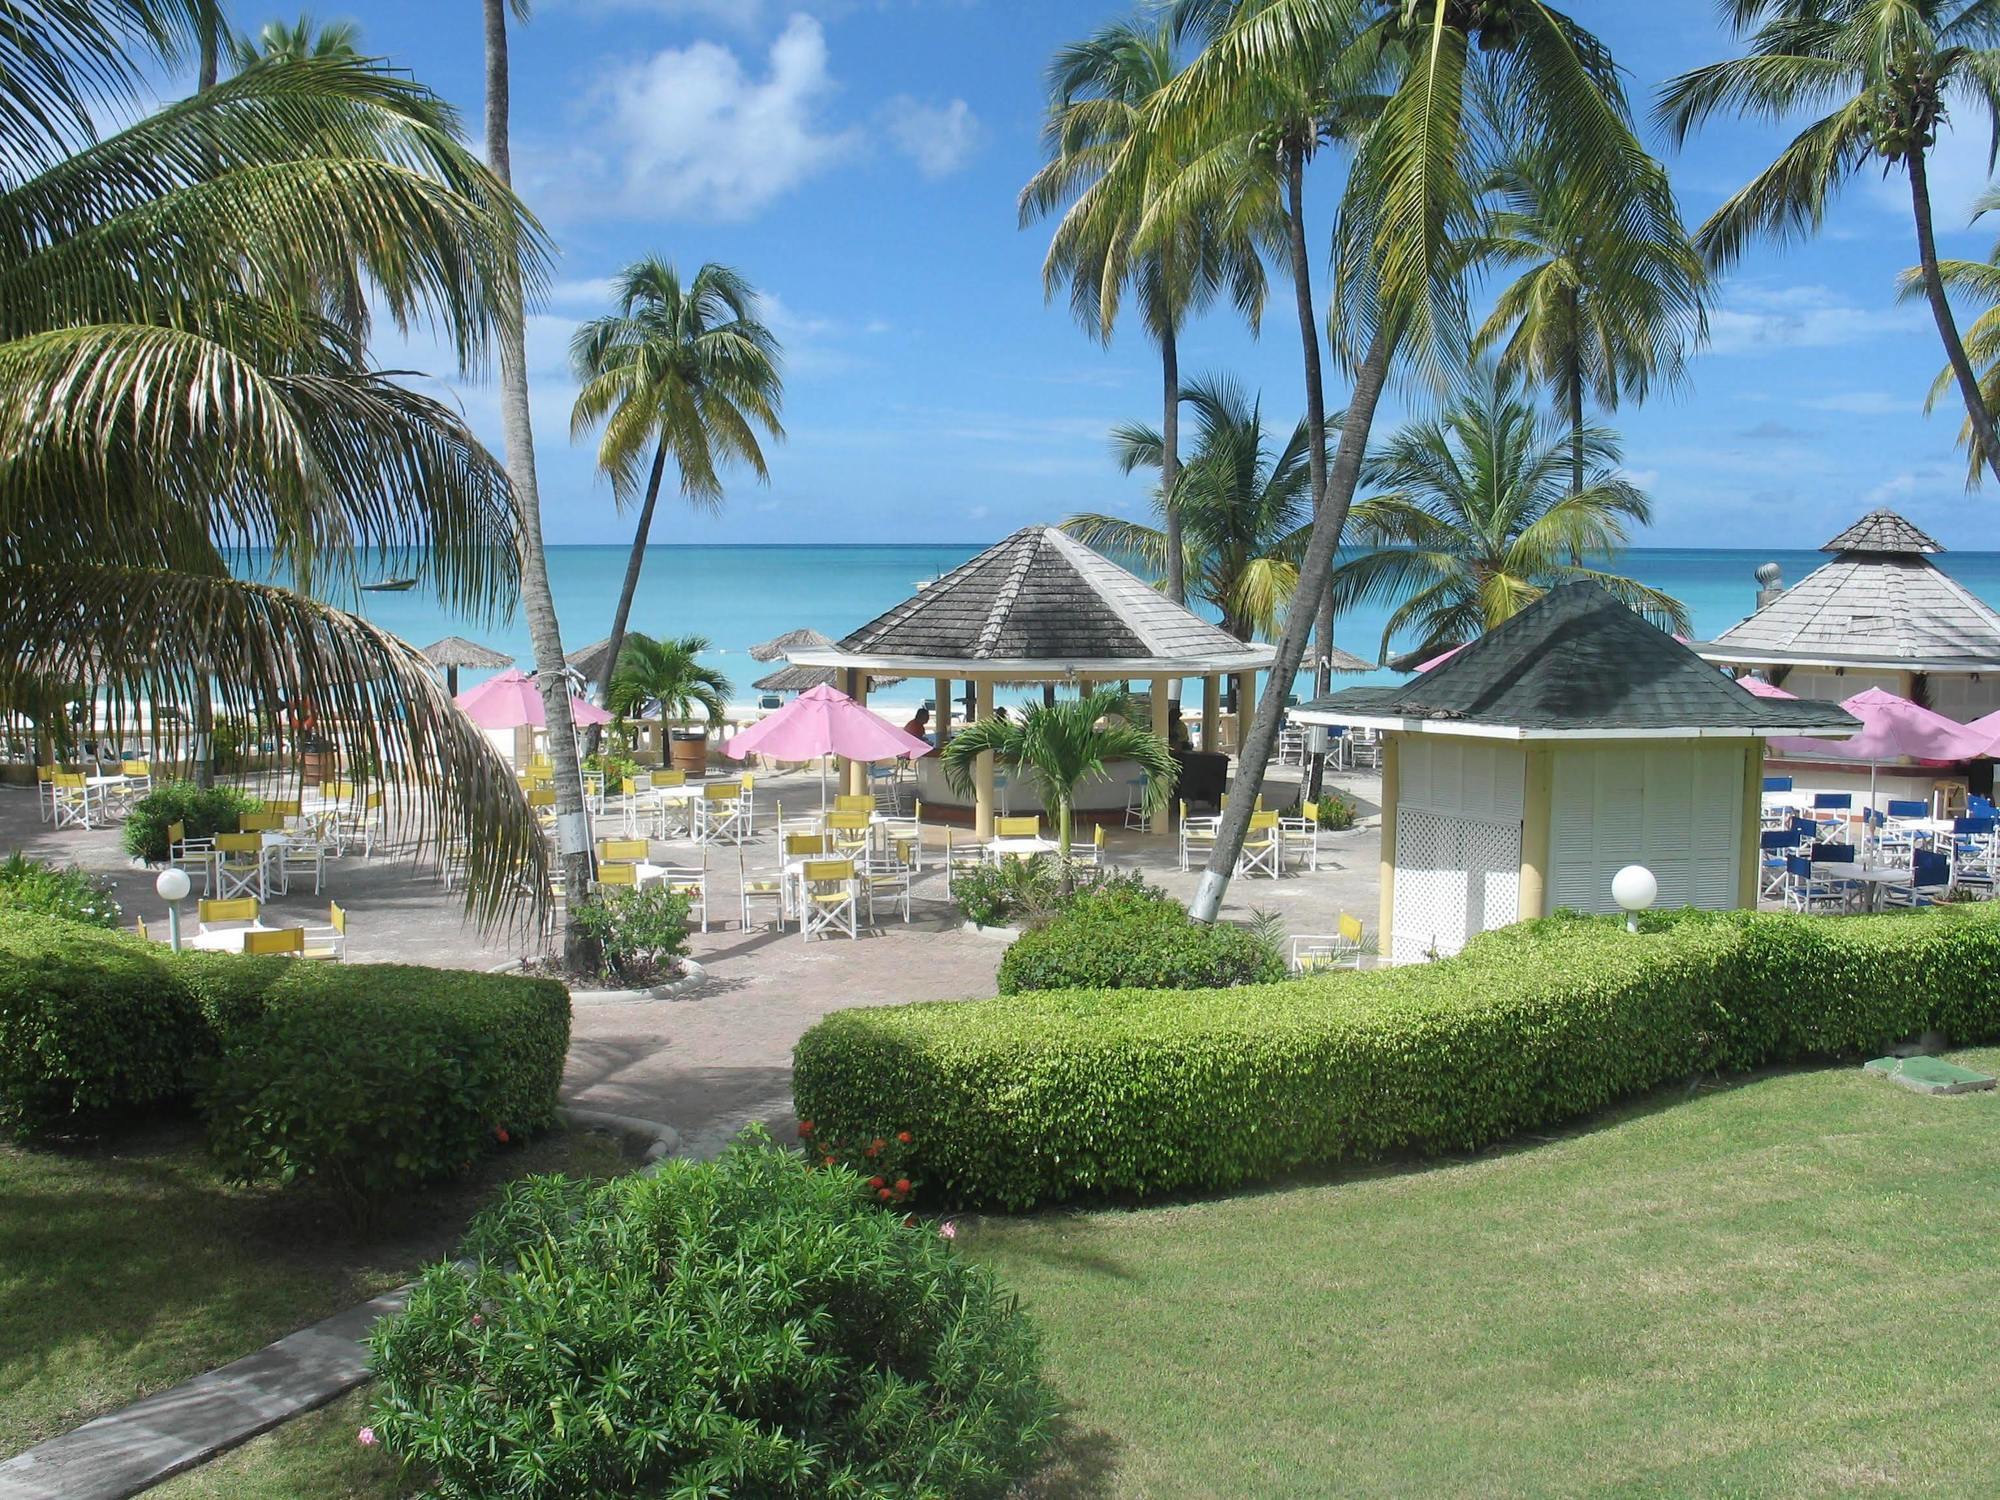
(721, 1058)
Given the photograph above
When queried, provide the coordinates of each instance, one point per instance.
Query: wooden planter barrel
(317, 766)
(688, 752)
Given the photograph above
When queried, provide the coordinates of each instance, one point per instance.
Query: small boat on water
(389, 586)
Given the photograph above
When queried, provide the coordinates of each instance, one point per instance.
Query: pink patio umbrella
(1763, 689)
(1988, 729)
(1893, 729)
(820, 722)
(512, 699)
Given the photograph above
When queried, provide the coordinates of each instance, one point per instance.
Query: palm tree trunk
(1170, 463)
(572, 826)
(633, 564)
(1314, 574)
(1065, 825)
(208, 19)
(1954, 347)
(1574, 390)
(1295, 229)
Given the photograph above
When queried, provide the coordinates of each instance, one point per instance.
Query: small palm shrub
(29, 885)
(1028, 892)
(637, 932)
(205, 812)
(746, 1326)
(1131, 936)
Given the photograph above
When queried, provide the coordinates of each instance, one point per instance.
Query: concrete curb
(695, 977)
(136, 1447)
(1001, 934)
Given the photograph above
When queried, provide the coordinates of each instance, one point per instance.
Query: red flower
(903, 1136)
(874, 1148)
(902, 1184)
(882, 1193)
(500, 1135)
(826, 1161)
(805, 1127)
(875, 1182)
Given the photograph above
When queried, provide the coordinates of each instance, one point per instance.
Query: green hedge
(1039, 1098)
(362, 1077)
(370, 1081)
(205, 811)
(1125, 937)
(90, 1020)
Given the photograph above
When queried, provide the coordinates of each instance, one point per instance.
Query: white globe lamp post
(172, 888)
(1634, 888)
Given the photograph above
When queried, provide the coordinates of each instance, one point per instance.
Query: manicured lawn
(127, 1265)
(1784, 1287)
(1781, 1287)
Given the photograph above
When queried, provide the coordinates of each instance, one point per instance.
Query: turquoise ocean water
(740, 595)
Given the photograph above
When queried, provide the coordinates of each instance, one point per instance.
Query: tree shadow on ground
(1082, 1464)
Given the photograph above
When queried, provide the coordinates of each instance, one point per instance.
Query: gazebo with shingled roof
(1880, 614)
(1040, 606)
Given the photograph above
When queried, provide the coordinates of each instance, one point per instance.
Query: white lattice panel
(1455, 877)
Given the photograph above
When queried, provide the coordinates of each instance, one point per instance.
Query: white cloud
(939, 138)
(1865, 404)
(696, 135)
(1760, 320)
(1645, 479)
(1955, 169)
(594, 293)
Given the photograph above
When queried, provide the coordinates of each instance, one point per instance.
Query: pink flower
(478, 1321)
(948, 1229)
(366, 1437)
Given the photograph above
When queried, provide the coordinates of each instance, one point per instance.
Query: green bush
(746, 1326)
(206, 812)
(89, 1021)
(29, 885)
(1134, 937)
(367, 1080)
(638, 930)
(1028, 892)
(1049, 1096)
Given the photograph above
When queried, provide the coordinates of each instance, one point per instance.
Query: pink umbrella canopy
(824, 721)
(1892, 729)
(1763, 689)
(512, 699)
(1987, 729)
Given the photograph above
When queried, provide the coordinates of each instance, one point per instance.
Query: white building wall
(1458, 843)
(1675, 808)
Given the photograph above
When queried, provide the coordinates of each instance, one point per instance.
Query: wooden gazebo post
(1211, 709)
(1162, 822)
(982, 771)
(941, 709)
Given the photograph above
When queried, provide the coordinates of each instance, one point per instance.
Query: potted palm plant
(667, 676)
(1059, 746)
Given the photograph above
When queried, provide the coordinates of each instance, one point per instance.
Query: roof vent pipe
(1770, 584)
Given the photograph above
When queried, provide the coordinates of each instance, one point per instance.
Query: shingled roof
(1882, 531)
(1880, 603)
(1576, 663)
(1040, 604)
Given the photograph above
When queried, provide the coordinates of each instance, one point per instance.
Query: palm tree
(1101, 165)
(1602, 306)
(666, 674)
(1058, 747)
(1883, 70)
(1411, 197)
(166, 396)
(537, 601)
(1977, 281)
(1243, 510)
(686, 370)
(278, 42)
(1479, 518)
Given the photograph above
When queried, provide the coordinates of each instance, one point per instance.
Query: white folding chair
(239, 866)
(328, 942)
(74, 799)
(1197, 839)
(725, 814)
(886, 878)
(753, 888)
(1302, 834)
(829, 900)
(1314, 952)
(1263, 848)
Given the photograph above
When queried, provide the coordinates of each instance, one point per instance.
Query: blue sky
(859, 161)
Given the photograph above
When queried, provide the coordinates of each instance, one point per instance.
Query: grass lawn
(1778, 1287)
(127, 1265)
(1787, 1286)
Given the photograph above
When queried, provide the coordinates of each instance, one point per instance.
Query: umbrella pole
(822, 785)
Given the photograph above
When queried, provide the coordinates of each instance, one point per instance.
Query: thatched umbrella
(455, 651)
(785, 645)
(588, 662)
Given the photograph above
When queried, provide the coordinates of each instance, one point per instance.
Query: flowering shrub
(29, 885)
(638, 930)
(744, 1326)
(882, 1162)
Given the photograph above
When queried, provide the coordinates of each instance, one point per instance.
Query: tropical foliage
(680, 370)
(1604, 306)
(666, 676)
(1057, 747)
(1106, 172)
(178, 379)
(1976, 282)
(1879, 75)
(1478, 519)
(1243, 510)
